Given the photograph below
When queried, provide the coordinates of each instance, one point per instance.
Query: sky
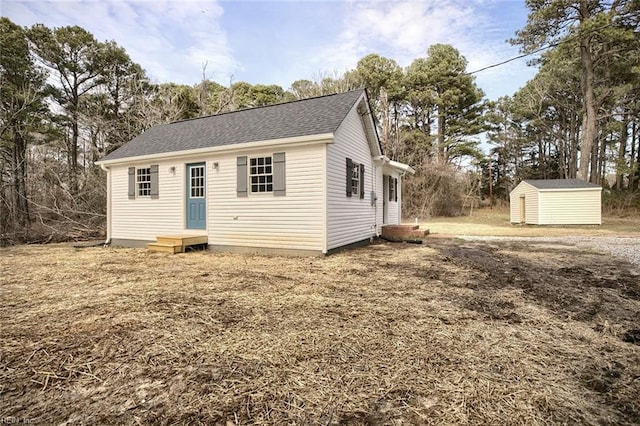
(279, 42)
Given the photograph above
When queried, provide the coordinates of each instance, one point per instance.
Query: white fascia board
(239, 147)
(401, 166)
(568, 189)
(369, 127)
(381, 159)
(522, 183)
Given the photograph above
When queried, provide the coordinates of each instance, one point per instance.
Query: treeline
(580, 115)
(68, 99)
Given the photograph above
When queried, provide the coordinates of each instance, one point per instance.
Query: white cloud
(171, 39)
(404, 30)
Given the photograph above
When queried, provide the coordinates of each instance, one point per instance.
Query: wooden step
(165, 248)
(183, 240)
(400, 232)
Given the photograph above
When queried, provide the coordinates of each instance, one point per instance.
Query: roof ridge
(263, 106)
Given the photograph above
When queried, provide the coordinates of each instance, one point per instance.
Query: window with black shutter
(355, 178)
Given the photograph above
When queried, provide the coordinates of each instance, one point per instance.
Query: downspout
(374, 196)
(382, 159)
(108, 238)
(399, 192)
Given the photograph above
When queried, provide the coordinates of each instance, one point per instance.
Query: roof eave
(370, 126)
(298, 140)
(591, 188)
(401, 166)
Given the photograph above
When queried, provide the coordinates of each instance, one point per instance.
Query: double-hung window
(261, 174)
(393, 182)
(355, 179)
(143, 182)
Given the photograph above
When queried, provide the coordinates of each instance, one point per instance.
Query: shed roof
(560, 184)
(305, 117)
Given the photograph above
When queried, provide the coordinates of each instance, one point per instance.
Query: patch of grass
(495, 222)
(386, 334)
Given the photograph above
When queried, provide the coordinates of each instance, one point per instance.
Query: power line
(540, 49)
(515, 58)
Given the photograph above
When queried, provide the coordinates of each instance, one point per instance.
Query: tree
(263, 94)
(303, 89)
(383, 79)
(441, 87)
(593, 25)
(213, 98)
(76, 60)
(23, 108)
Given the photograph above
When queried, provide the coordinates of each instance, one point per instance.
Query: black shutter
(279, 174)
(154, 181)
(395, 189)
(132, 183)
(361, 180)
(390, 185)
(349, 173)
(241, 172)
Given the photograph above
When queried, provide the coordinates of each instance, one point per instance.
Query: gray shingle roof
(298, 118)
(560, 183)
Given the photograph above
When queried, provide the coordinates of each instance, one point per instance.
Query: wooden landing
(403, 232)
(176, 243)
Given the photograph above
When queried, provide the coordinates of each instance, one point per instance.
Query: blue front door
(196, 196)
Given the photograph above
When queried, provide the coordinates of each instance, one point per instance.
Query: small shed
(556, 202)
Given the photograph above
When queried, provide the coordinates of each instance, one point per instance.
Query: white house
(556, 202)
(307, 176)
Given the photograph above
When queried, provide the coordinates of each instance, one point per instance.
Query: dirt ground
(447, 332)
(495, 222)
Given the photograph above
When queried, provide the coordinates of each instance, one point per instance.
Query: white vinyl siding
(144, 218)
(570, 207)
(262, 220)
(530, 194)
(349, 219)
(294, 221)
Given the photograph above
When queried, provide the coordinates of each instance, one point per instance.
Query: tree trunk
(573, 138)
(632, 158)
(385, 121)
(441, 139)
(19, 190)
(589, 123)
(594, 171)
(622, 151)
(5, 212)
(562, 148)
(602, 162)
(73, 161)
(636, 173)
